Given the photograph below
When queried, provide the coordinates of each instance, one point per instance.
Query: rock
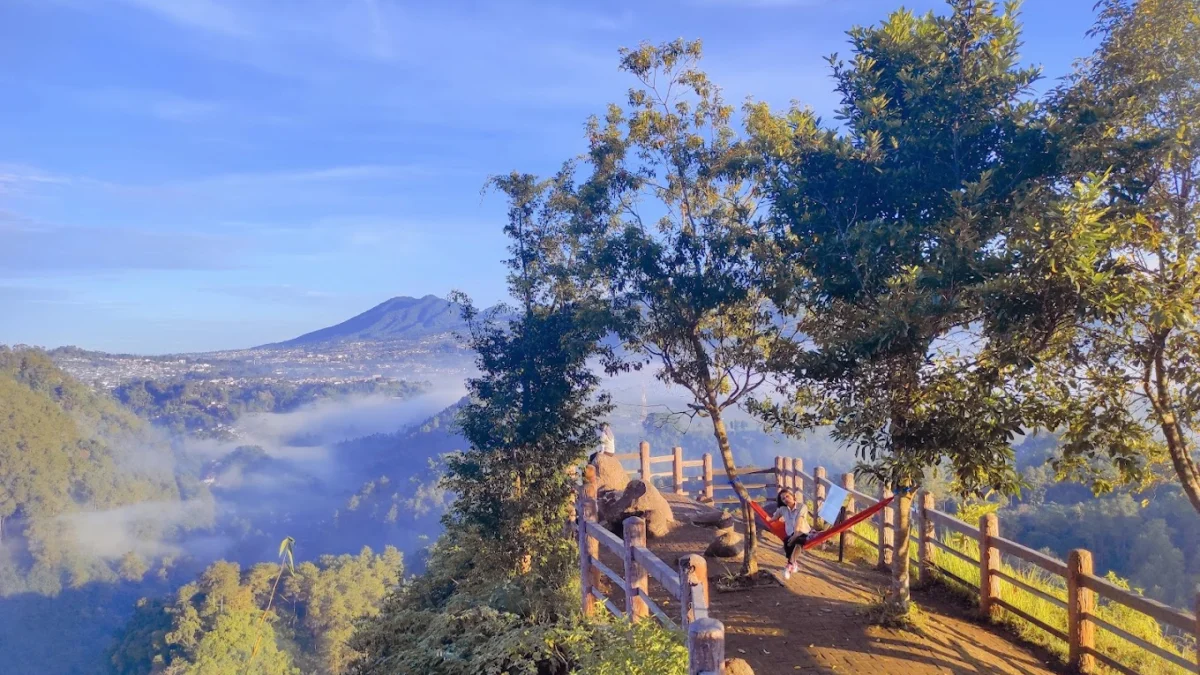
(637, 499)
(610, 475)
(608, 509)
(738, 667)
(714, 518)
(727, 544)
(655, 508)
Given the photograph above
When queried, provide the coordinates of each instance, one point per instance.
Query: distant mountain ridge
(401, 318)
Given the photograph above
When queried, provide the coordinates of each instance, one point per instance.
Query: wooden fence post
(1081, 633)
(589, 481)
(708, 477)
(1196, 610)
(847, 511)
(637, 582)
(588, 548)
(989, 561)
(818, 490)
(797, 479)
(706, 647)
(926, 553)
(780, 474)
(693, 588)
(644, 457)
(677, 466)
(887, 532)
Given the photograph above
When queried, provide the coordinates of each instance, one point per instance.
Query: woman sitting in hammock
(794, 516)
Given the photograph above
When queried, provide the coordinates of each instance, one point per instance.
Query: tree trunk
(898, 597)
(750, 546)
(1177, 447)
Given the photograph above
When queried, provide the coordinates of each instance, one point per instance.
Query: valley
(211, 457)
(195, 466)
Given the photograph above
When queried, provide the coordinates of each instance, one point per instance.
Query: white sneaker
(787, 571)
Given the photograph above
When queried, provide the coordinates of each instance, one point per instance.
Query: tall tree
(496, 584)
(1130, 386)
(907, 254)
(532, 412)
(668, 214)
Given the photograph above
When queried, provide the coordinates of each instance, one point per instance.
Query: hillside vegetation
(66, 451)
(214, 624)
(210, 408)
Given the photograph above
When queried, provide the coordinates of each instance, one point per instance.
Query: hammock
(847, 524)
(778, 528)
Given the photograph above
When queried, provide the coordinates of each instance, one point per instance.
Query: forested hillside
(67, 452)
(1150, 537)
(210, 408)
(216, 623)
(90, 502)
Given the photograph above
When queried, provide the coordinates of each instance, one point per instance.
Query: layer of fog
(305, 484)
(112, 533)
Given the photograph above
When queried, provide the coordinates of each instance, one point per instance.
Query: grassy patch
(1138, 624)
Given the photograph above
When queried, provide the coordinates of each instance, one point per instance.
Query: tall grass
(1114, 646)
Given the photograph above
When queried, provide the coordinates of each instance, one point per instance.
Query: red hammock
(778, 529)
(847, 524)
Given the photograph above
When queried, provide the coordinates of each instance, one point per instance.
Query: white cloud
(20, 179)
(205, 15)
(34, 248)
(273, 293)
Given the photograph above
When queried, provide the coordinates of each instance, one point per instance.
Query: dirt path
(815, 624)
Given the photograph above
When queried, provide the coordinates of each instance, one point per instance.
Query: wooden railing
(1077, 573)
(646, 462)
(688, 585)
(706, 635)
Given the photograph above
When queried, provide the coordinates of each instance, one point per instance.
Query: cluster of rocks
(618, 498)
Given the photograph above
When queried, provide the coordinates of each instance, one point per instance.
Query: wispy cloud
(206, 15)
(275, 293)
(19, 179)
(32, 247)
(161, 105)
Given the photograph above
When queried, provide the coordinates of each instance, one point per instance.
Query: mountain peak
(399, 318)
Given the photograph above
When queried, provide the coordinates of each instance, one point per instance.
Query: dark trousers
(789, 546)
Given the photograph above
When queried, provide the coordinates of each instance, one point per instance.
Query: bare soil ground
(815, 621)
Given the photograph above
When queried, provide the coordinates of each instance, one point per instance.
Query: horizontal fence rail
(1079, 589)
(687, 585)
(1080, 585)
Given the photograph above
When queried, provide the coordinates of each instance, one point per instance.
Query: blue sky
(186, 175)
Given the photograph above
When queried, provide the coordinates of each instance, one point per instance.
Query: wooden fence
(1077, 575)
(688, 585)
(679, 481)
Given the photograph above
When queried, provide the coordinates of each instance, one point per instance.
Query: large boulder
(727, 544)
(639, 499)
(610, 475)
(660, 518)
